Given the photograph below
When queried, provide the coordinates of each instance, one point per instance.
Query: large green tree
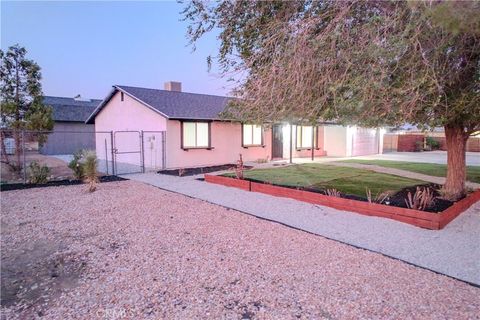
(21, 98)
(371, 63)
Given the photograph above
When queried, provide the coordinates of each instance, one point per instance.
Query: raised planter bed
(428, 220)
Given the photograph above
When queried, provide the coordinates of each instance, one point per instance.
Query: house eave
(91, 118)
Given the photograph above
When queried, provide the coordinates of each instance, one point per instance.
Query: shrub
(239, 168)
(332, 193)
(38, 174)
(422, 199)
(76, 165)
(262, 160)
(379, 198)
(432, 143)
(181, 172)
(90, 162)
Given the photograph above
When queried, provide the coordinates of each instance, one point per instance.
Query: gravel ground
(452, 251)
(133, 251)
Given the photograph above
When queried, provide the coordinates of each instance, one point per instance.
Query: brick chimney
(173, 86)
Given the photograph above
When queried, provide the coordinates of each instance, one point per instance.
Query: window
(121, 96)
(306, 137)
(252, 135)
(195, 135)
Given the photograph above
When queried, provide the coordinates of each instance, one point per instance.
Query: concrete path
(453, 251)
(399, 172)
(472, 158)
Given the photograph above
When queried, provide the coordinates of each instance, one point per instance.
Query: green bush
(432, 143)
(90, 162)
(38, 174)
(76, 166)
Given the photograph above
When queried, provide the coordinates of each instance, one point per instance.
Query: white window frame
(298, 138)
(196, 146)
(247, 126)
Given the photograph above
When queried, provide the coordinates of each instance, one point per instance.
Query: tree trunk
(16, 133)
(456, 140)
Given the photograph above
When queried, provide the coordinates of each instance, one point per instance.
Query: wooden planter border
(229, 182)
(428, 220)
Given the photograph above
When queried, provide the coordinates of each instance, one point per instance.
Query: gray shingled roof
(173, 104)
(69, 109)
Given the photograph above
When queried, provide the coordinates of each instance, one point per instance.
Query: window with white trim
(306, 137)
(195, 135)
(252, 135)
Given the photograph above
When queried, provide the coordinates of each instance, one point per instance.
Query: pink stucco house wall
(169, 119)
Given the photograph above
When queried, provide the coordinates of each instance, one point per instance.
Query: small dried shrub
(239, 168)
(38, 174)
(181, 172)
(262, 160)
(422, 199)
(380, 198)
(332, 193)
(443, 194)
(90, 162)
(76, 165)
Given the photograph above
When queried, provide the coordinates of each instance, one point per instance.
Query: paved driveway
(473, 158)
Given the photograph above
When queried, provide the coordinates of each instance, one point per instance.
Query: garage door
(365, 142)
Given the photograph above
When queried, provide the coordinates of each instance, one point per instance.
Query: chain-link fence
(118, 152)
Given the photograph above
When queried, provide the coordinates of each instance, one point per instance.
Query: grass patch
(322, 176)
(431, 169)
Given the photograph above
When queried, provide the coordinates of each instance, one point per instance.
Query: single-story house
(195, 134)
(70, 132)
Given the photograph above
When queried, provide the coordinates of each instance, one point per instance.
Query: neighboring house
(408, 138)
(70, 132)
(195, 135)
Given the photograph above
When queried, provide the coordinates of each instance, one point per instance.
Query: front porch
(306, 143)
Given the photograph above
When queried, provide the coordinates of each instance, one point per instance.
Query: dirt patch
(200, 170)
(36, 273)
(58, 169)
(439, 205)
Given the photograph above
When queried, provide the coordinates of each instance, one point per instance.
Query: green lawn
(431, 169)
(322, 176)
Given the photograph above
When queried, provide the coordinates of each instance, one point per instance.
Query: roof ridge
(200, 94)
(72, 98)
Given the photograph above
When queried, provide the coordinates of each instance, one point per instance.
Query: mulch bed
(183, 172)
(55, 183)
(395, 200)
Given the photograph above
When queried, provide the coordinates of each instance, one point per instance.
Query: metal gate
(138, 151)
(127, 152)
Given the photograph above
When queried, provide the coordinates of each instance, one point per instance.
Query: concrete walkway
(399, 172)
(453, 251)
(440, 157)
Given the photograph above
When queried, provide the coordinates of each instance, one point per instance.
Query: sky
(86, 47)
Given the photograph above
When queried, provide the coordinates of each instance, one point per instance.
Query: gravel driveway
(131, 250)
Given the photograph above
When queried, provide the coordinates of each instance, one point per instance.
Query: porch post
(313, 143)
(291, 142)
